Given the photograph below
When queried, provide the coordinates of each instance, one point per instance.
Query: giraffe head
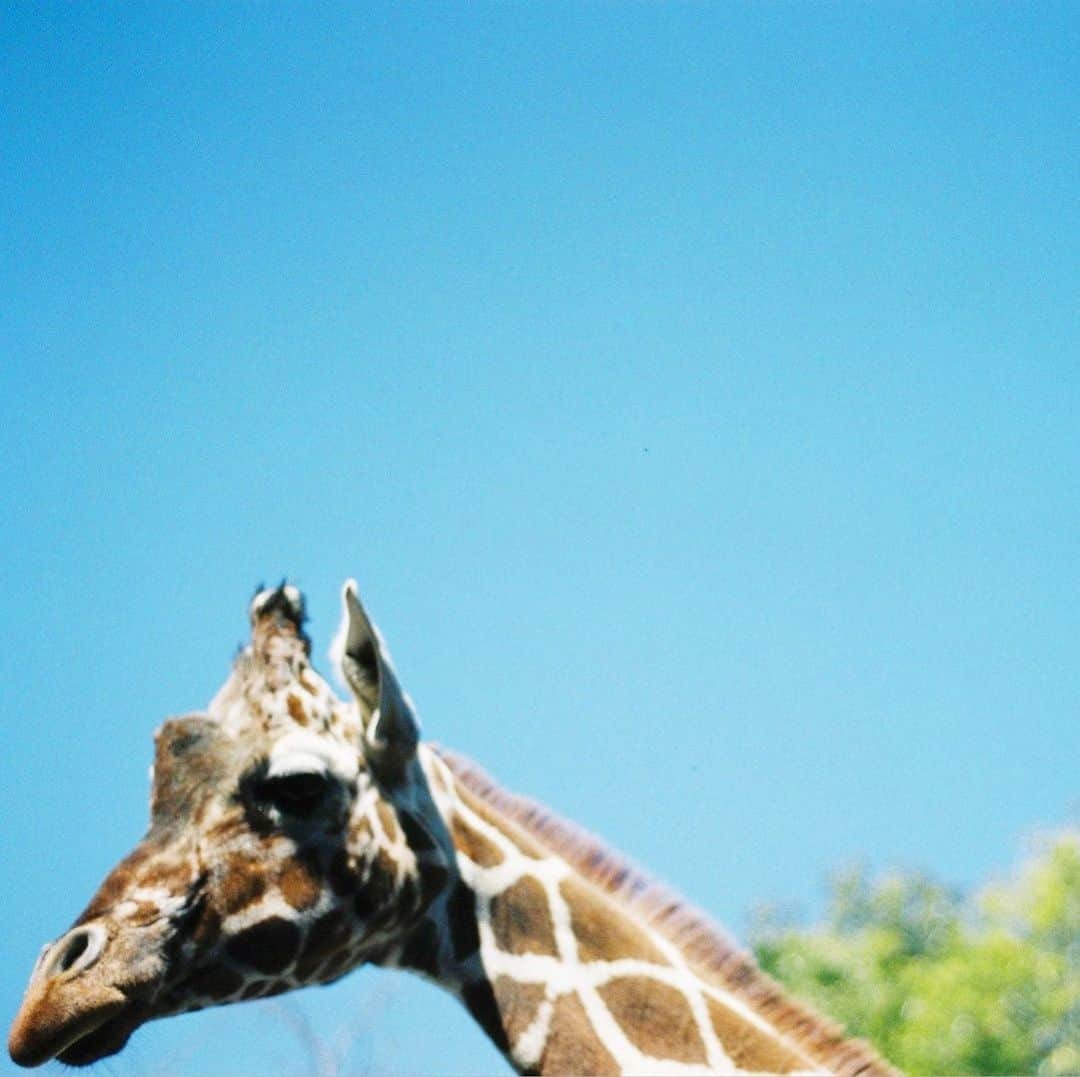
(292, 837)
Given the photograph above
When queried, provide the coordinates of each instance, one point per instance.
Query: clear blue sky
(694, 392)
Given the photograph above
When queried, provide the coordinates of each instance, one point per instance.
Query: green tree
(942, 983)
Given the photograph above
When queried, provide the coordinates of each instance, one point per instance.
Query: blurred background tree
(940, 982)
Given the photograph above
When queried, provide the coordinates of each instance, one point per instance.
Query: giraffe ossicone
(295, 836)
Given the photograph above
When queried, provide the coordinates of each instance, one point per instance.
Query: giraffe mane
(698, 936)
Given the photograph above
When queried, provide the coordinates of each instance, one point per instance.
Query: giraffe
(294, 836)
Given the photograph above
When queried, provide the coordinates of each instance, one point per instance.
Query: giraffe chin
(106, 1039)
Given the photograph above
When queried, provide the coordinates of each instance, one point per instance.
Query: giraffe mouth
(102, 1039)
(76, 1038)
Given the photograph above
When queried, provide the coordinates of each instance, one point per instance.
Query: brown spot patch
(329, 933)
(603, 934)
(306, 683)
(227, 829)
(216, 982)
(360, 833)
(518, 1003)
(387, 821)
(242, 884)
(146, 912)
(385, 864)
(207, 929)
(656, 1018)
(171, 875)
(268, 947)
(521, 919)
(474, 845)
(573, 1045)
(298, 887)
(117, 883)
(296, 709)
(748, 1047)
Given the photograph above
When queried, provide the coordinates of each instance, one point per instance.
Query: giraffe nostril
(77, 950)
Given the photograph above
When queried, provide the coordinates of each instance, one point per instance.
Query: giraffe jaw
(105, 1037)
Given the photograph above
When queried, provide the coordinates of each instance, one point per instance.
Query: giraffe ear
(391, 731)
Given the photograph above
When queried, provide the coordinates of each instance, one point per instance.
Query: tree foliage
(940, 982)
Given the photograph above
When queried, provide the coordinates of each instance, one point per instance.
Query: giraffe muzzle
(66, 1013)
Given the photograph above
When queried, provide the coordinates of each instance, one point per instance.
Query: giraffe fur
(295, 835)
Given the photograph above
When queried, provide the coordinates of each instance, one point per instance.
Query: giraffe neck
(566, 978)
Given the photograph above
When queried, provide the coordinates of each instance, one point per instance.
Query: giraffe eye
(297, 794)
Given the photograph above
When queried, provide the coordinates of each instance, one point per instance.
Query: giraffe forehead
(302, 697)
(280, 697)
